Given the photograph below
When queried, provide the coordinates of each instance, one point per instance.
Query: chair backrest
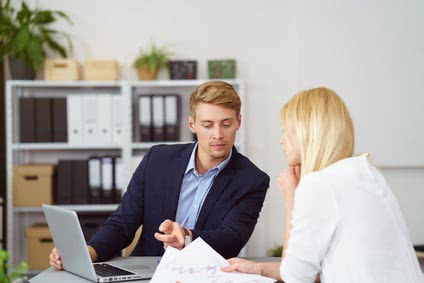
(128, 250)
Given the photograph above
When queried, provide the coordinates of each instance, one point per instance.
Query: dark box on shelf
(91, 222)
(183, 69)
(33, 184)
(39, 245)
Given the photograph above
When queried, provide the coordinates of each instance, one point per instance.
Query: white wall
(264, 37)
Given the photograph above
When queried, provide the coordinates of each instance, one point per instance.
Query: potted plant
(24, 35)
(276, 251)
(149, 62)
(17, 274)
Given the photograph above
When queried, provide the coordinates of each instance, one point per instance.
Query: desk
(53, 276)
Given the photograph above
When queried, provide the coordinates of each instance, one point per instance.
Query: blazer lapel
(218, 187)
(173, 184)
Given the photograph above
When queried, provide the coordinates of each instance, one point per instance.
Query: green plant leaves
(25, 34)
(35, 53)
(155, 58)
(20, 40)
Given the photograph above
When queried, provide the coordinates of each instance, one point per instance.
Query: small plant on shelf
(16, 274)
(150, 61)
(25, 35)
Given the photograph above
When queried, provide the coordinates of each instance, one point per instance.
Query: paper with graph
(198, 262)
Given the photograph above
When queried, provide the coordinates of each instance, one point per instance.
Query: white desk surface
(51, 275)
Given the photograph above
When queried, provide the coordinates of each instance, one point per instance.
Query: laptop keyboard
(106, 270)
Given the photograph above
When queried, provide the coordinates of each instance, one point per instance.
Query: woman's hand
(287, 183)
(243, 265)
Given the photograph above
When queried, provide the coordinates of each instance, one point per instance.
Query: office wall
(264, 37)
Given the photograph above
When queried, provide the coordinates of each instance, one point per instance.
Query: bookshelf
(18, 218)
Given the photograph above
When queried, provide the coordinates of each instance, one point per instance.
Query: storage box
(61, 70)
(33, 184)
(101, 70)
(183, 70)
(39, 245)
(222, 69)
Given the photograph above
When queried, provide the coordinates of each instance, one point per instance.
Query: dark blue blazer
(227, 217)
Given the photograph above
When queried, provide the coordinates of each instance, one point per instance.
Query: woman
(343, 221)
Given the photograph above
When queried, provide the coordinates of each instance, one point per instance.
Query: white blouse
(348, 226)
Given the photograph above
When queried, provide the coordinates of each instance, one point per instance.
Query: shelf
(176, 83)
(148, 145)
(100, 84)
(65, 84)
(74, 207)
(61, 146)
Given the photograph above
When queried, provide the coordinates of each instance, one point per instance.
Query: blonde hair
(324, 128)
(217, 93)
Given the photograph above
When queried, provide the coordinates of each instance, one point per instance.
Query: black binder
(64, 187)
(43, 120)
(27, 119)
(60, 121)
(80, 185)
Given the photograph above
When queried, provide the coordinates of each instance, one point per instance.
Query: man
(180, 192)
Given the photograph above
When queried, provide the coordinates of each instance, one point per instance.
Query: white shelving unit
(18, 218)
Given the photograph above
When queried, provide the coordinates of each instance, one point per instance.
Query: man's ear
(191, 124)
(239, 121)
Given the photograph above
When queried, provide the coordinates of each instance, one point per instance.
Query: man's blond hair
(216, 93)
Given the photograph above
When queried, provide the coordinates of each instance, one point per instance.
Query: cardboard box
(101, 70)
(33, 184)
(39, 245)
(62, 70)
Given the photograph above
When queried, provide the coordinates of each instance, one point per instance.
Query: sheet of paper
(198, 262)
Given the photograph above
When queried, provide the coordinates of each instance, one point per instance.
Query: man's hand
(56, 260)
(173, 234)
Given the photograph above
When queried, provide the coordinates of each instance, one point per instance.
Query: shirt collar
(192, 162)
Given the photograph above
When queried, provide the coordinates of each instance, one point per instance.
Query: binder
(136, 118)
(104, 119)
(119, 182)
(107, 179)
(90, 133)
(95, 179)
(145, 118)
(117, 120)
(60, 123)
(158, 118)
(74, 118)
(27, 119)
(43, 120)
(117, 179)
(80, 185)
(64, 187)
(172, 118)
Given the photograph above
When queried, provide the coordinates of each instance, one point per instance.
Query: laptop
(69, 240)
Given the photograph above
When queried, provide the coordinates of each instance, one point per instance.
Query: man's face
(215, 127)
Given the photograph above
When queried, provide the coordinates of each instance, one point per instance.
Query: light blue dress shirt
(194, 189)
